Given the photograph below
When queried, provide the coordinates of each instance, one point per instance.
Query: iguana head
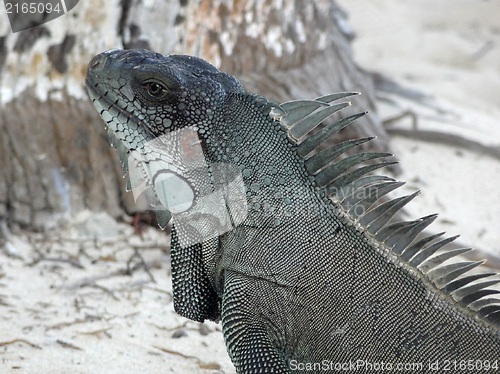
(155, 94)
(155, 107)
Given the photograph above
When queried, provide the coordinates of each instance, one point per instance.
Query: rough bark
(54, 155)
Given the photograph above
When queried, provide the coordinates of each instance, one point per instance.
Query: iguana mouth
(106, 103)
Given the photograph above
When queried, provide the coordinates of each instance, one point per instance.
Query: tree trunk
(54, 155)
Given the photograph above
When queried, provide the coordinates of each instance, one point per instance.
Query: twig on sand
(448, 139)
(107, 290)
(118, 273)
(398, 117)
(75, 322)
(170, 328)
(70, 261)
(68, 345)
(201, 364)
(20, 341)
(385, 84)
(142, 263)
(98, 333)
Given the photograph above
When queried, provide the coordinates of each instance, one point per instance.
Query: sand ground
(84, 315)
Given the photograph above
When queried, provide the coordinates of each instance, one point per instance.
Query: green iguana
(284, 243)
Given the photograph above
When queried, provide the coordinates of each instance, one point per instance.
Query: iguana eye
(154, 89)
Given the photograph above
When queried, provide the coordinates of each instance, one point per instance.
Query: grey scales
(287, 244)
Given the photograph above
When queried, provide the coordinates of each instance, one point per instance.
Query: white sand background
(64, 319)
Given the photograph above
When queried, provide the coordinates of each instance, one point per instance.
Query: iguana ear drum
(174, 192)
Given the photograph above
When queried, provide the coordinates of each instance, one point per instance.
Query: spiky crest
(356, 192)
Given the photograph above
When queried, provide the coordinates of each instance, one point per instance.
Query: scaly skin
(296, 279)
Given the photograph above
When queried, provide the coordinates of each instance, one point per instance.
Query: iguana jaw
(126, 127)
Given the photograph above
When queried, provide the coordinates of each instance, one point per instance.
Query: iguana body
(303, 273)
